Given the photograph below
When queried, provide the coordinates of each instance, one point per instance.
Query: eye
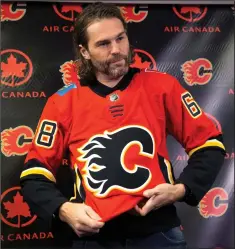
(103, 44)
(120, 38)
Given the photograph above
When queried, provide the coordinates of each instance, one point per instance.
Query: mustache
(116, 58)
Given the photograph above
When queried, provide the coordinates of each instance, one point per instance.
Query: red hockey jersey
(117, 142)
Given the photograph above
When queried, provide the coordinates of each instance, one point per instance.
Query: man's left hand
(161, 195)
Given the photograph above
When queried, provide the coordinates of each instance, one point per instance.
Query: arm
(189, 125)
(38, 177)
(203, 143)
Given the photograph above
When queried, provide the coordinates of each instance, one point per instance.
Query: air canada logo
(214, 203)
(12, 11)
(133, 145)
(16, 141)
(68, 12)
(190, 13)
(134, 13)
(16, 70)
(197, 72)
(143, 60)
(15, 212)
(193, 16)
(16, 67)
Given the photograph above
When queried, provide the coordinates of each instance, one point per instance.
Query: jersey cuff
(212, 143)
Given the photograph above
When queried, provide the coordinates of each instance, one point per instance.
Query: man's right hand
(82, 218)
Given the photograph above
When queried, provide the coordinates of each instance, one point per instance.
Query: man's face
(108, 47)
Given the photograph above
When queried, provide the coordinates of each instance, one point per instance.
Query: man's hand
(161, 195)
(82, 218)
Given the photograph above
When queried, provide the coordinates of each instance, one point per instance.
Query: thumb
(149, 193)
(92, 213)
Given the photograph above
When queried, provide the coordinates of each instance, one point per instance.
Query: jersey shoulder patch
(65, 89)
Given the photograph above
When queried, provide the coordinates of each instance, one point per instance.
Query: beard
(115, 67)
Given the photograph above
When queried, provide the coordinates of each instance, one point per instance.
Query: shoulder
(154, 79)
(61, 102)
(65, 94)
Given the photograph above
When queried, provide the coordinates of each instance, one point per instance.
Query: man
(114, 121)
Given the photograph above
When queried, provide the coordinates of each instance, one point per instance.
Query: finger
(81, 228)
(163, 187)
(82, 234)
(133, 212)
(88, 221)
(149, 205)
(150, 192)
(92, 213)
(153, 203)
(137, 209)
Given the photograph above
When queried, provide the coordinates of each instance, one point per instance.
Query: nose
(115, 48)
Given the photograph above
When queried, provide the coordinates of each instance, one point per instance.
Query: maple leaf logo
(12, 68)
(190, 13)
(195, 10)
(139, 63)
(145, 61)
(66, 8)
(16, 67)
(17, 208)
(67, 11)
(14, 211)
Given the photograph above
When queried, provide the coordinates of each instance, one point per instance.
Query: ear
(84, 52)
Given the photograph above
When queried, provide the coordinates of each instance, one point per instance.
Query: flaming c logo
(12, 11)
(143, 60)
(133, 175)
(214, 203)
(16, 68)
(197, 71)
(67, 11)
(190, 13)
(131, 14)
(16, 141)
(69, 72)
(14, 211)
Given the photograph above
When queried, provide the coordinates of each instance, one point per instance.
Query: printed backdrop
(193, 43)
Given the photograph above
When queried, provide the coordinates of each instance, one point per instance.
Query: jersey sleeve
(200, 137)
(38, 177)
(188, 123)
(47, 146)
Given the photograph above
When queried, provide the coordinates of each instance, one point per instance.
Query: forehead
(104, 29)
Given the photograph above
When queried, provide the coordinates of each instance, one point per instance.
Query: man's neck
(105, 80)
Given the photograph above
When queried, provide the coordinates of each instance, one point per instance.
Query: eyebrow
(103, 41)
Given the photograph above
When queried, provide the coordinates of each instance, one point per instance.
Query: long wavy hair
(93, 12)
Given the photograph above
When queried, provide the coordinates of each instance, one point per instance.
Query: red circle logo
(67, 11)
(144, 60)
(14, 211)
(16, 68)
(190, 13)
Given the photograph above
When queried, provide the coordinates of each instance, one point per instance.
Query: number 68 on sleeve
(46, 134)
(192, 107)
